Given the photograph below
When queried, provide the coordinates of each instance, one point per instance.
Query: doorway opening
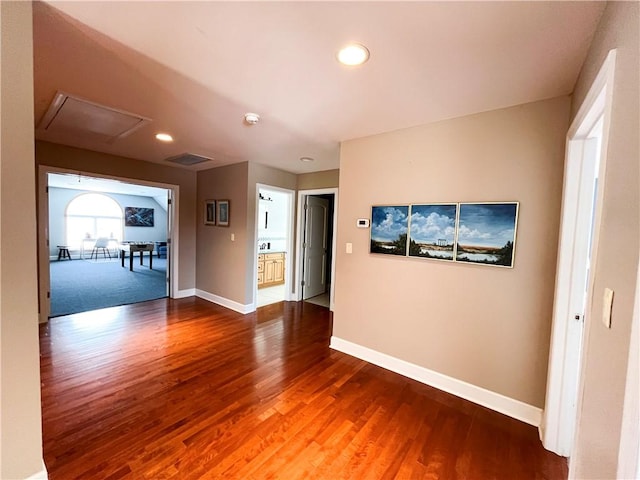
(274, 244)
(585, 167)
(316, 234)
(90, 231)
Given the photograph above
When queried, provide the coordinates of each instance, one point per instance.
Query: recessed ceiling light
(306, 159)
(164, 137)
(353, 54)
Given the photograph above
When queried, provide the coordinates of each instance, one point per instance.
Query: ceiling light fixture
(306, 159)
(353, 54)
(164, 137)
(251, 118)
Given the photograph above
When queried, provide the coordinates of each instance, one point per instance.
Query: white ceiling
(83, 182)
(195, 69)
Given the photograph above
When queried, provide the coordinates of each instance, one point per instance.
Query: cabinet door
(278, 275)
(269, 270)
(260, 278)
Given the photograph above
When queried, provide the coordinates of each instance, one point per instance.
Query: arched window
(93, 215)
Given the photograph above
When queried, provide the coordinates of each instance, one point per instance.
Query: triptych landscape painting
(433, 230)
(481, 233)
(389, 230)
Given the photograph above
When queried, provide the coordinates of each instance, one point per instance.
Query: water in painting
(487, 233)
(389, 227)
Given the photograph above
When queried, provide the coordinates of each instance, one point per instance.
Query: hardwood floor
(184, 389)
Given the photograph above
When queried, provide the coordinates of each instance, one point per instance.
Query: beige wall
(606, 350)
(324, 179)
(89, 162)
(228, 268)
(221, 262)
(487, 326)
(20, 417)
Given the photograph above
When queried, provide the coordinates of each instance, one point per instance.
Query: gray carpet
(83, 285)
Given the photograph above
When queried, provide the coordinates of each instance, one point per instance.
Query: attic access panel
(188, 159)
(68, 114)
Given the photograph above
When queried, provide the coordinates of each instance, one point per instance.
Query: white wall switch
(233, 237)
(607, 305)
(349, 247)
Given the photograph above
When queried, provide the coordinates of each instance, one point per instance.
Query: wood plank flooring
(184, 389)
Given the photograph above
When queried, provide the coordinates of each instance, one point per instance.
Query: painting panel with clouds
(389, 228)
(433, 231)
(487, 233)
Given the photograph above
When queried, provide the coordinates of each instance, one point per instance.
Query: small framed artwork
(223, 213)
(138, 217)
(389, 227)
(432, 231)
(209, 212)
(487, 233)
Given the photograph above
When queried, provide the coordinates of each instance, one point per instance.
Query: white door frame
(557, 429)
(288, 261)
(44, 286)
(297, 292)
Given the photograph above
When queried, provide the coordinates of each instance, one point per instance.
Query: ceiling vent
(68, 114)
(188, 159)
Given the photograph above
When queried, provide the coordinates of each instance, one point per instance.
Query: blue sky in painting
(487, 225)
(388, 223)
(430, 223)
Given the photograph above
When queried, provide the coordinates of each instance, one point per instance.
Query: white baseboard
(41, 475)
(225, 302)
(495, 401)
(188, 292)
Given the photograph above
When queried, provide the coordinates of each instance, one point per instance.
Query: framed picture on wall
(389, 227)
(138, 217)
(487, 233)
(223, 213)
(432, 231)
(209, 212)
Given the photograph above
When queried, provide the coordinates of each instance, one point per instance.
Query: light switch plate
(349, 247)
(607, 305)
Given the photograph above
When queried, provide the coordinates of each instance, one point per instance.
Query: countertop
(270, 251)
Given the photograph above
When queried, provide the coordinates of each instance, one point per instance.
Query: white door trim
(558, 423)
(297, 292)
(43, 233)
(288, 261)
